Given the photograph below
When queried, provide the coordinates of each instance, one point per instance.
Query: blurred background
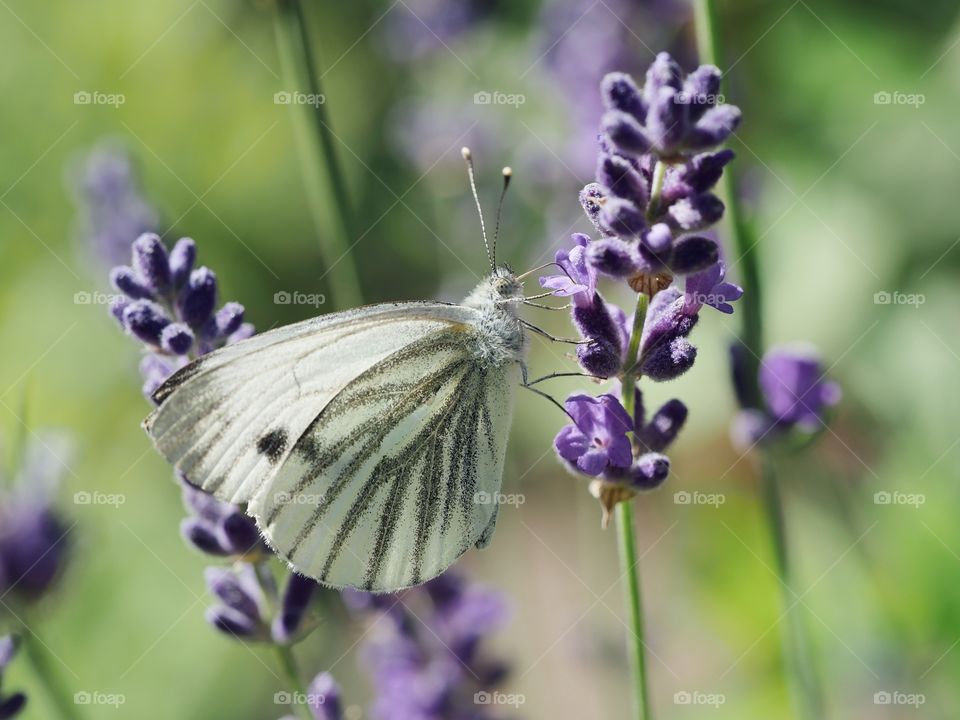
(849, 161)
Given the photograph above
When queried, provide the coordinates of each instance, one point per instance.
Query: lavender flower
(656, 165)
(112, 207)
(323, 699)
(34, 540)
(10, 705)
(171, 308)
(796, 396)
(424, 650)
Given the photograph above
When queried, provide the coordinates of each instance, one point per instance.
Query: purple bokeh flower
(10, 705)
(794, 388)
(111, 204)
(424, 649)
(597, 439)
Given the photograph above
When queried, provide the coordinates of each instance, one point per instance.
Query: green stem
(656, 188)
(750, 308)
(49, 677)
(626, 542)
(630, 570)
(291, 673)
(801, 667)
(318, 148)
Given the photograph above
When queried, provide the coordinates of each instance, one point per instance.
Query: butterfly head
(505, 283)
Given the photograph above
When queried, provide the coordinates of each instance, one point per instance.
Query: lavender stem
(300, 70)
(626, 542)
(801, 667)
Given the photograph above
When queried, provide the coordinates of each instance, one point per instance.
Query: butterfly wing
(229, 419)
(399, 474)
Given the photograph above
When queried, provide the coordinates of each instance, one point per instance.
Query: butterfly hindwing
(400, 472)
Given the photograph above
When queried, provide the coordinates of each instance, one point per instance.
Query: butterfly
(368, 444)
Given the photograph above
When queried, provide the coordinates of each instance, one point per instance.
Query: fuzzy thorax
(499, 336)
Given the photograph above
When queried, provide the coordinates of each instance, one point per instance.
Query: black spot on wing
(177, 379)
(273, 444)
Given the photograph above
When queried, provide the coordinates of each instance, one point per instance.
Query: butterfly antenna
(507, 174)
(468, 158)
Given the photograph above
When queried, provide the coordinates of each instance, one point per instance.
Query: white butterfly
(368, 444)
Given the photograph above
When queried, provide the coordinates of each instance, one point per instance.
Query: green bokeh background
(848, 198)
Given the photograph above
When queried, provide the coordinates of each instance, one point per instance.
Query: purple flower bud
(228, 319)
(12, 705)
(296, 602)
(669, 360)
(125, 280)
(666, 120)
(203, 536)
(621, 180)
(323, 696)
(146, 320)
(701, 88)
(176, 338)
(239, 590)
(665, 320)
(714, 127)
(198, 298)
(117, 306)
(744, 380)
(240, 533)
(231, 622)
(591, 200)
(696, 212)
(620, 92)
(623, 218)
(599, 358)
(625, 133)
(794, 389)
(614, 257)
(657, 239)
(662, 73)
(708, 288)
(596, 322)
(703, 171)
(182, 258)
(246, 330)
(150, 262)
(649, 471)
(8, 649)
(662, 429)
(751, 427)
(154, 370)
(693, 254)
